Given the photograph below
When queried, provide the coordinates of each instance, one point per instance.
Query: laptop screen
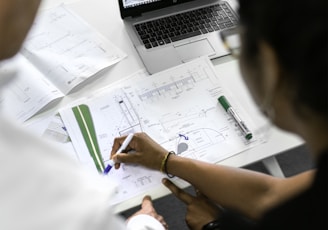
(135, 3)
(137, 7)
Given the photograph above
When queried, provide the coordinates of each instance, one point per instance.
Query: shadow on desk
(291, 162)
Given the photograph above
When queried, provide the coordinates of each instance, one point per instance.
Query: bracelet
(163, 168)
(165, 165)
(214, 225)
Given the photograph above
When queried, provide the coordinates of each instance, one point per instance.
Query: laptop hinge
(136, 15)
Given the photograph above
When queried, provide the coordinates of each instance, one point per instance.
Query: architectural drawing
(178, 108)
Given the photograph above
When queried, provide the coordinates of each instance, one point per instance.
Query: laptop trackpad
(194, 50)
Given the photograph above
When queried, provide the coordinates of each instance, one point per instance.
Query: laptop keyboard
(185, 25)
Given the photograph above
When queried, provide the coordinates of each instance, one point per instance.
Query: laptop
(167, 33)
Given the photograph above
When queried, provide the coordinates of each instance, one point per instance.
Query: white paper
(28, 91)
(178, 108)
(52, 129)
(60, 52)
(66, 49)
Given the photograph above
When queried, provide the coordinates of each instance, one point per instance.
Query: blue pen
(125, 144)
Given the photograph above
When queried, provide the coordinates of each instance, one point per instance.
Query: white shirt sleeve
(42, 188)
(144, 222)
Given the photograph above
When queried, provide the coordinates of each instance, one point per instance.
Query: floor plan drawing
(178, 108)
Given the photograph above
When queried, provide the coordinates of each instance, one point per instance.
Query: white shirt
(42, 188)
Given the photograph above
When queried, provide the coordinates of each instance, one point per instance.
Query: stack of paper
(60, 52)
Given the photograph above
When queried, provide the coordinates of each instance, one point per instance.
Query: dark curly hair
(297, 31)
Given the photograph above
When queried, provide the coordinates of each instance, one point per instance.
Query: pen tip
(107, 169)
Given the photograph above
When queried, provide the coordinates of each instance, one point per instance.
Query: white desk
(105, 17)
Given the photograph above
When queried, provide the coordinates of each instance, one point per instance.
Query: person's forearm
(242, 190)
(245, 191)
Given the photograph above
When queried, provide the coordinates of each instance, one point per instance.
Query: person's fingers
(147, 202)
(198, 193)
(165, 225)
(117, 165)
(160, 218)
(147, 206)
(179, 193)
(117, 143)
(124, 158)
(163, 222)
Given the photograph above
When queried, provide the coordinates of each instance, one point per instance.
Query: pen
(226, 105)
(125, 144)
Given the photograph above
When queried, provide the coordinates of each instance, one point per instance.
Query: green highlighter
(226, 105)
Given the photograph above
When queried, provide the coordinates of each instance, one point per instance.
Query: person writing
(41, 187)
(283, 60)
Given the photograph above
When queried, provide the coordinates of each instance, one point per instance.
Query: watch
(213, 225)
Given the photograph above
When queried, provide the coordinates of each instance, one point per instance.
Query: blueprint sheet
(178, 108)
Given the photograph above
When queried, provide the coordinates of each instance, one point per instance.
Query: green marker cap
(224, 102)
(249, 136)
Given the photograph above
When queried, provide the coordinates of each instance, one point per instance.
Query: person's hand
(146, 152)
(147, 208)
(200, 210)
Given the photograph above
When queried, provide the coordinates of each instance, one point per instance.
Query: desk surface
(104, 16)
